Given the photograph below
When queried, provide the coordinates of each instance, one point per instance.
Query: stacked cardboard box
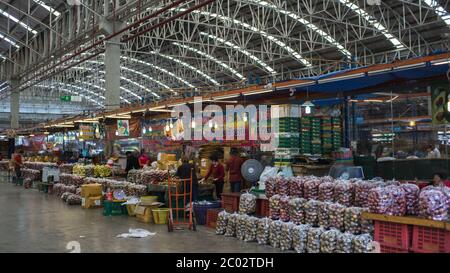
(91, 196)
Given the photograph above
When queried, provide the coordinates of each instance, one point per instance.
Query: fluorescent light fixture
(409, 66)
(257, 92)
(161, 110)
(379, 71)
(270, 37)
(176, 104)
(227, 101)
(346, 77)
(16, 20)
(226, 97)
(52, 10)
(209, 57)
(373, 100)
(63, 126)
(159, 107)
(11, 42)
(119, 116)
(304, 22)
(374, 22)
(440, 62)
(242, 50)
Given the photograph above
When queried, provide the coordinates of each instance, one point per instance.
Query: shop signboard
(123, 127)
(440, 104)
(87, 131)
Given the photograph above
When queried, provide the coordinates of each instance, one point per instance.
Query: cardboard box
(89, 190)
(144, 213)
(91, 202)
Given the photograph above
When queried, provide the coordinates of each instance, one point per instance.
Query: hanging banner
(134, 128)
(439, 104)
(123, 127)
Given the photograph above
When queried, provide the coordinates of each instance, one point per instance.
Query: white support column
(112, 75)
(112, 63)
(14, 104)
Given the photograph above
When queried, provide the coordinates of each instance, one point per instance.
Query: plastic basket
(148, 200)
(114, 208)
(230, 203)
(160, 216)
(201, 211)
(131, 210)
(430, 240)
(211, 217)
(390, 249)
(393, 234)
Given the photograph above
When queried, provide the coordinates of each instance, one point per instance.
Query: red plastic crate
(430, 240)
(390, 249)
(230, 203)
(211, 217)
(393, 234)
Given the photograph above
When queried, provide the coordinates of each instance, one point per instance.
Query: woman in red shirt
(143, 159)
(218, 174)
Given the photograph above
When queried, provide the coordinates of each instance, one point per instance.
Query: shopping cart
(180, 215)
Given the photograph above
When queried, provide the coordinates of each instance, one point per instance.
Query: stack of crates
(305, 135)
(316, 140)
(327, 135)
(337, 133)
(289, 137)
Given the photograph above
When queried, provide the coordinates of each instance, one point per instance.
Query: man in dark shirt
(233, 165)
(184, 172)
(132, 162)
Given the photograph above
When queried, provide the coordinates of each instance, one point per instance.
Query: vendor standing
(433, 152)
(233, 166)
(143, 158)
(217, 172)
(185, 171)
(17, 164)
(132, 162)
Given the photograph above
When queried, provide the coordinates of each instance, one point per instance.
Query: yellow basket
(160, 216)
(131, 210)
(148, 200)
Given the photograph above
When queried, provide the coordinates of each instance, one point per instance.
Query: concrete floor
(31, 221)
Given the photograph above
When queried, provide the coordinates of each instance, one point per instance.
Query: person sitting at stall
(433, 152)
(143, 159)
(218, 174)
(439, 180)
(184, 171)
(132, 162)
(233, 166)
